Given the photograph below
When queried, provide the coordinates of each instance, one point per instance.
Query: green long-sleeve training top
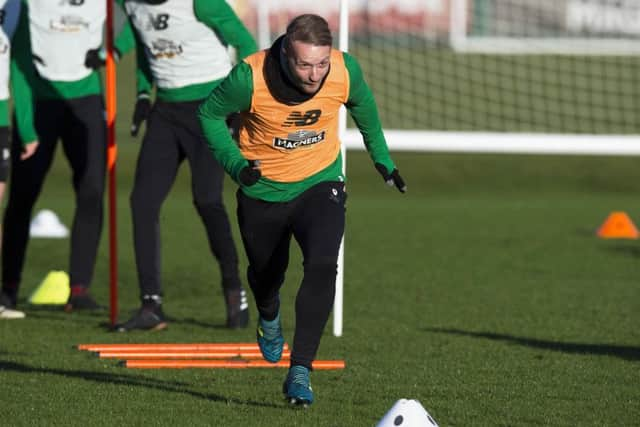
(28, 85)
(234, 94)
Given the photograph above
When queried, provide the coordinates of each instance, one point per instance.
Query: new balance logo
(159, 22)
(297, 118)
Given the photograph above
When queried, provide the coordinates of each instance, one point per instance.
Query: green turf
(483, 292)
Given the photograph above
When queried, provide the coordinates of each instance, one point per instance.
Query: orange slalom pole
(172, 347)
(228, 364)
(110, 72)
(249, 354)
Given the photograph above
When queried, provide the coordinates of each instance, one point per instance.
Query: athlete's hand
(96, 58)
(392, 178)
(29, 150)
(140, 112)
(249, 175)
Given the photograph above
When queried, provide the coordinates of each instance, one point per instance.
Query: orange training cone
(618, 225)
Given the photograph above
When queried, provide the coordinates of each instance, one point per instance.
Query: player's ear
(284, 45)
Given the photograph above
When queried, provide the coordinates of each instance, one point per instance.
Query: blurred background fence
(489, 75)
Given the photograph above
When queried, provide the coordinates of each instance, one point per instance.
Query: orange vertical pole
(111, 165)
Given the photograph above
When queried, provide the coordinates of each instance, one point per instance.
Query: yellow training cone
(54, 289)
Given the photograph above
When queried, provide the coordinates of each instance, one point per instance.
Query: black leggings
(316, 220)
(79, 123)
(4, 153)
(173, 134)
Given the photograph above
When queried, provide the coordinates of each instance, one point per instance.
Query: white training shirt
(62, 31)
(180, 49)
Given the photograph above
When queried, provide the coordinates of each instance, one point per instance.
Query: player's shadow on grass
(198, 323)
(621, 351)
(189, 321)
(44, 310)
(626, 249)
(126, 380)
(56, 313)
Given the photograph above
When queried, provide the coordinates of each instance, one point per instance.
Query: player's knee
(211, 207)
(90, 195)
(265, 277)
(321, 270)
(143, 208)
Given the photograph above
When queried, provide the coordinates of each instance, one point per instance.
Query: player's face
(309, 65)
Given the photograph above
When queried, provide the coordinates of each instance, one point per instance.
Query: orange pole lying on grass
(227, 346)
(190, 354)
(228, 364)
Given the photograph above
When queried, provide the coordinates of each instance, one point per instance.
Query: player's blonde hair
(309, 28)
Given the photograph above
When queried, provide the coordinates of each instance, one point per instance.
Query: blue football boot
(297, 388)
(270, 339)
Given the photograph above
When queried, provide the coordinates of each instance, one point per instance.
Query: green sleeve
(233, 94)
(362, 107)
(124, 39)
(128, 39)
(218, 15)
(144, 78)
(4, 113)
(22, 74)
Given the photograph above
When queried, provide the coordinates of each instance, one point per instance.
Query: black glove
(96, 58)
(392, 178)
(249, 175)
(4, 148)
(140, 112)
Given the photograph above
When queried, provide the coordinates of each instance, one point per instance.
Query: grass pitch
(483, 293)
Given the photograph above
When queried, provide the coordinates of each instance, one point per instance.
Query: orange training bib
(294, 142)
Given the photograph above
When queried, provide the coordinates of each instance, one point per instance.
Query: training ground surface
(482, 292)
